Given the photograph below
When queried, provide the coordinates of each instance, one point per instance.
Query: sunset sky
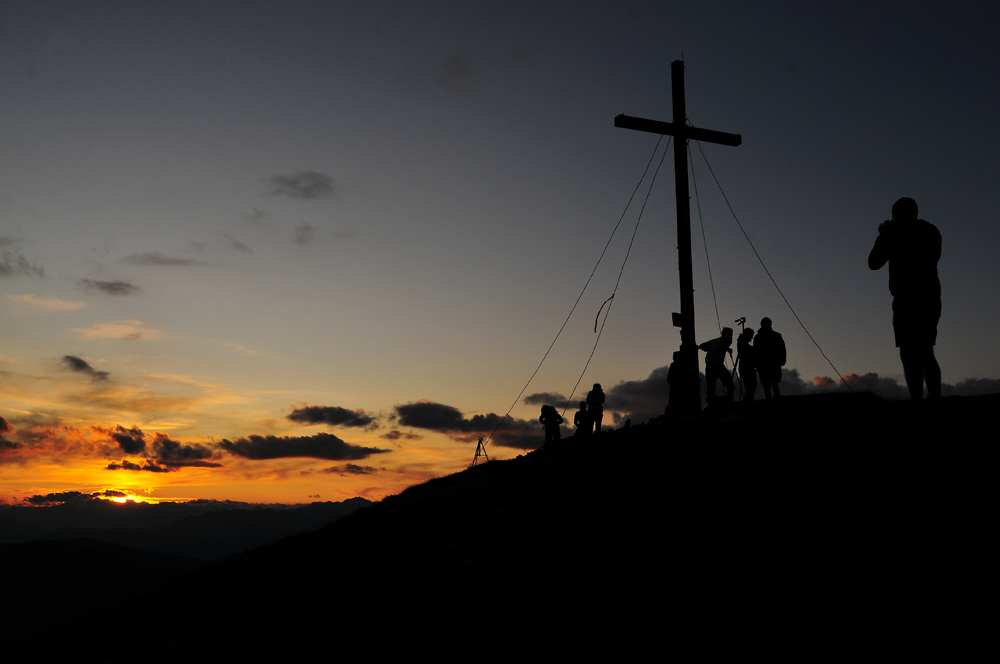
(297, 251)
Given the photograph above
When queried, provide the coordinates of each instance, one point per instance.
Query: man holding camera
(912, 247)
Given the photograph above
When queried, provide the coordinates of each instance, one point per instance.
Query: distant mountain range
(827, 526)
(208, 529)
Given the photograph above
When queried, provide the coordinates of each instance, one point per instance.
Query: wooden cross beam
(688, 397)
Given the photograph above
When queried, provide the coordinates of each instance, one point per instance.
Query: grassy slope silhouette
(814, 524)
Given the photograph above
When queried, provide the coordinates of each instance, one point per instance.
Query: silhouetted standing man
(912, 248)
(769, 352)
(595, 406)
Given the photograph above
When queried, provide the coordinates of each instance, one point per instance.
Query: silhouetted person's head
(765, 323)
(597, 386)
(583, 405)
(727, 332)
(748, 333)
(905, 209)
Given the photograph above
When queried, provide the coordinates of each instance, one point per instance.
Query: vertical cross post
(685, 395)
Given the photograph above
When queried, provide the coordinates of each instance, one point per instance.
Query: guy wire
(611, 299)
(768, 272)
(570, 315)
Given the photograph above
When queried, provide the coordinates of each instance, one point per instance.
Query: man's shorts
(915, 321)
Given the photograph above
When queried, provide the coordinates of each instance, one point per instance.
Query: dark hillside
(50, 582)
(806, 526)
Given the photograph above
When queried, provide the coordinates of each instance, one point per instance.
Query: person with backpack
(551, 418)
(769, 351)
(581, 420)
(595, 406)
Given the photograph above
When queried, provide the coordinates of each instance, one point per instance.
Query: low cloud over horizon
(319, 446)
(641, 400)
(510, 432)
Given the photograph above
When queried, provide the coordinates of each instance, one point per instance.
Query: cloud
(887, 388)
(792, 384)
(641, 400)
(824, 382)
(255, 216)
(550, 398)
(972, 387)
(58, 498)
(156, 258)
(399, 435)
(176, 455)
(80, 366)
(123, 330)
(304, 234)
(132, 441)
(37, 436)
(332, 415)
(883, 386)
(6, 428)
(236, 244)
(167, 455)
(46, 303)
(350, 469)
(13, 262)
(304, 184)
(149, 466)
(109, 287)
(110, 493)
(319, 446)
(510, 432)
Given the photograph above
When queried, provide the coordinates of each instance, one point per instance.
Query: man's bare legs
(920, 365)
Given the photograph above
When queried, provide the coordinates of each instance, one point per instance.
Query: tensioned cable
(789, 304)
(611, 300)
(599, 259)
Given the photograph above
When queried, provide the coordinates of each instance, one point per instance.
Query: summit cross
(688, 398)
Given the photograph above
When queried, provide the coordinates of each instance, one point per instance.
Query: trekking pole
(742, 322)
(738, 379)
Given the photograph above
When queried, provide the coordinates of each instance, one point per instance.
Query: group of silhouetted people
(587, 420)
(911, 247)
(762, 357)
